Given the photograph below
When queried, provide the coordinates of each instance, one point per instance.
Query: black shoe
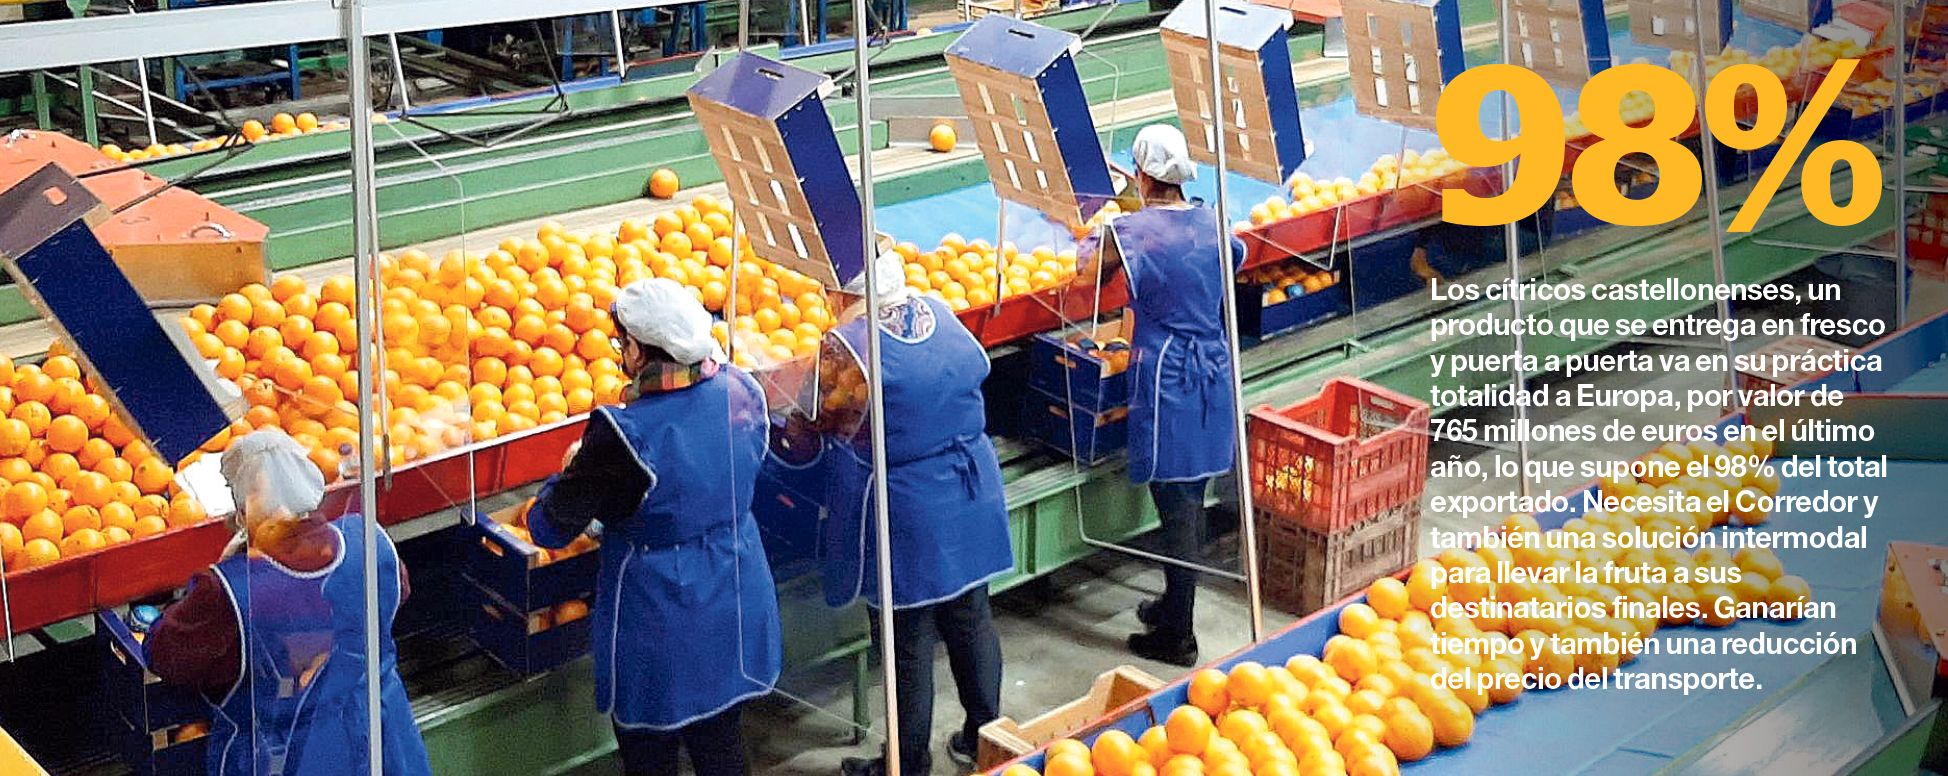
(1146, 612)
(1165, 648)
(862, 766)
(961, 747)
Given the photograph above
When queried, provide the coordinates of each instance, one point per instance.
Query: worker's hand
(574, 449)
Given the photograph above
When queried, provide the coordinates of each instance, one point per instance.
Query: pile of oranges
(1394, 684)
(282, 125)
(1386, 174)
(1289, 280)
(967, 274)
(73, 477)
(481, 344)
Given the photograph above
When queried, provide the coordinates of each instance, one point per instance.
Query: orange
(233, 307)
(296, 329)
(91, 489)
(1156, 744)
(185, 511)
(942, 137)
(148, 526)
(1116, 754)
(14, 470)
(1207, 691)
(14, 436)
(43, 524)
(33, 386)
(36, 552)
(1388, 597)
(79, 517)
(116, 515)
(68, 392)
(1249, 684)
(1359, 621)
(283, 123)
(59, 367)
(287, 286)
(93, 410)
(116, 534)
(67, 433)
(115, 468)
(663, 184)
(23, 500)
(1189, 730)
(1409, 735)
(10, 542)
(1452, 723)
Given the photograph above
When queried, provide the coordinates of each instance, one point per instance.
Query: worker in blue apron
(686, 613)
(291, 590)
(1183, 414)
(948, 514)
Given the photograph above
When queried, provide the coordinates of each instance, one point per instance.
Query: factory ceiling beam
(68, 42)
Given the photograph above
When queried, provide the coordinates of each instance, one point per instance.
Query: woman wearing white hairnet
(274, 634)
(1181, 407)
(686, 615)
(948, 513)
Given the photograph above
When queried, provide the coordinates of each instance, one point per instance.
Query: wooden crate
(1005, 739)
(1303, 571)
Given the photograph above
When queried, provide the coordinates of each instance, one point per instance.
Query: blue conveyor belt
(1606, 731)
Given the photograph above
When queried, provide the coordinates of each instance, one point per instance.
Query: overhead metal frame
(70, 42)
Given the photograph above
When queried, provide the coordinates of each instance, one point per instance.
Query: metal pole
(1900, 164)
(875, 382)
(615, 34)
(743, 25)
(7, 608)
(1247, 526)
(399, 73)
(1512, 247)
(1708, 153)
(365, 276)
(148, 110)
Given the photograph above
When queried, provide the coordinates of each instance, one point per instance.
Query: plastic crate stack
(156, 729)
(1336, 482)
(530, 604)
(1079, 392)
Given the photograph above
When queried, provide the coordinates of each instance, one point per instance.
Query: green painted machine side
(496, 733)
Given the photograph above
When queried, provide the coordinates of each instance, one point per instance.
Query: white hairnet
(1161, 153)
(889, 280)
(269, 472)
(662, 313)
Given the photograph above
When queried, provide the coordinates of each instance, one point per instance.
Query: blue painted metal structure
(1261, 30)
(1021, 77)
(147, 369)
(754, 109)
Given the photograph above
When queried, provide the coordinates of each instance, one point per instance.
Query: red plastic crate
(118, 574)
(1335, 460)
(1025, 315)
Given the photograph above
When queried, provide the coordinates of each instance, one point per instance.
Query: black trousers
(965, 625)
(1180, 511)
(716, 746)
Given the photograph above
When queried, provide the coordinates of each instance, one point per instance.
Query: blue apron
(1182, 412)
(299, 707)
(686, 613)
(949, 512)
